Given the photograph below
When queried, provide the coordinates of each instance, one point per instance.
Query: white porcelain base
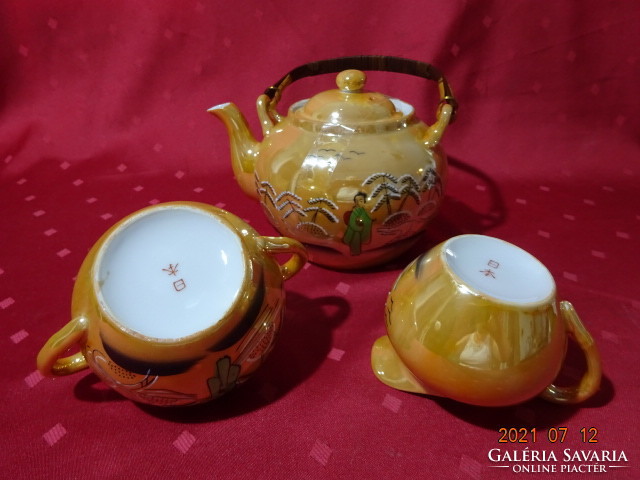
(170, 273)
(498, 269)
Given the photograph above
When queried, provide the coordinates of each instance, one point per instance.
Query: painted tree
(290, 200)
(321, 202)
(431, 182)
(320, 206)
(410, 188)
(267, 191)
(386, 189)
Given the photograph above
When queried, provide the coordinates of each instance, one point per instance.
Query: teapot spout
(244, 147)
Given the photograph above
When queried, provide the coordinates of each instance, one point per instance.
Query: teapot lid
(349, 103)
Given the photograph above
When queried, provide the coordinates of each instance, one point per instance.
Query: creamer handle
(590, 381)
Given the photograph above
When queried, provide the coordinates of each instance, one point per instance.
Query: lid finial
(351, 81)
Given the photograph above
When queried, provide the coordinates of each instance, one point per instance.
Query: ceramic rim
(171, 286)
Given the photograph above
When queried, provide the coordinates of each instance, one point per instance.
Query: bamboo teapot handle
(380, 63)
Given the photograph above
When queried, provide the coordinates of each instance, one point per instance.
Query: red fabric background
(102, 112)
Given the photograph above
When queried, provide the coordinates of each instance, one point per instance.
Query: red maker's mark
(172, 269)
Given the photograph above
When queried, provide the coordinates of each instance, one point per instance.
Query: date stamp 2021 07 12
(530, 458)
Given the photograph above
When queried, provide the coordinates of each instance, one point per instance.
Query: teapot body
(354, 196)
(350, 173)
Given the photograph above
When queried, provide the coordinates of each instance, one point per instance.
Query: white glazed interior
(170, 272)
(498, 269)
(403, 107)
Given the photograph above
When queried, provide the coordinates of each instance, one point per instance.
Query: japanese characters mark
(488, 272)
(171, 269)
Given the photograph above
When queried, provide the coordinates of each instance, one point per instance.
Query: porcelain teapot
(350, 173)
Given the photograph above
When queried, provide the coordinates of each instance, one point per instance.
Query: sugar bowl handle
(49, 359)
(277, 245)
(590, 381)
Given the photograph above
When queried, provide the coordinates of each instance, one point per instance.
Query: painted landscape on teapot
(351, 215)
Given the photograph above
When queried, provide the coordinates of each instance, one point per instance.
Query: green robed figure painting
(358, 225)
